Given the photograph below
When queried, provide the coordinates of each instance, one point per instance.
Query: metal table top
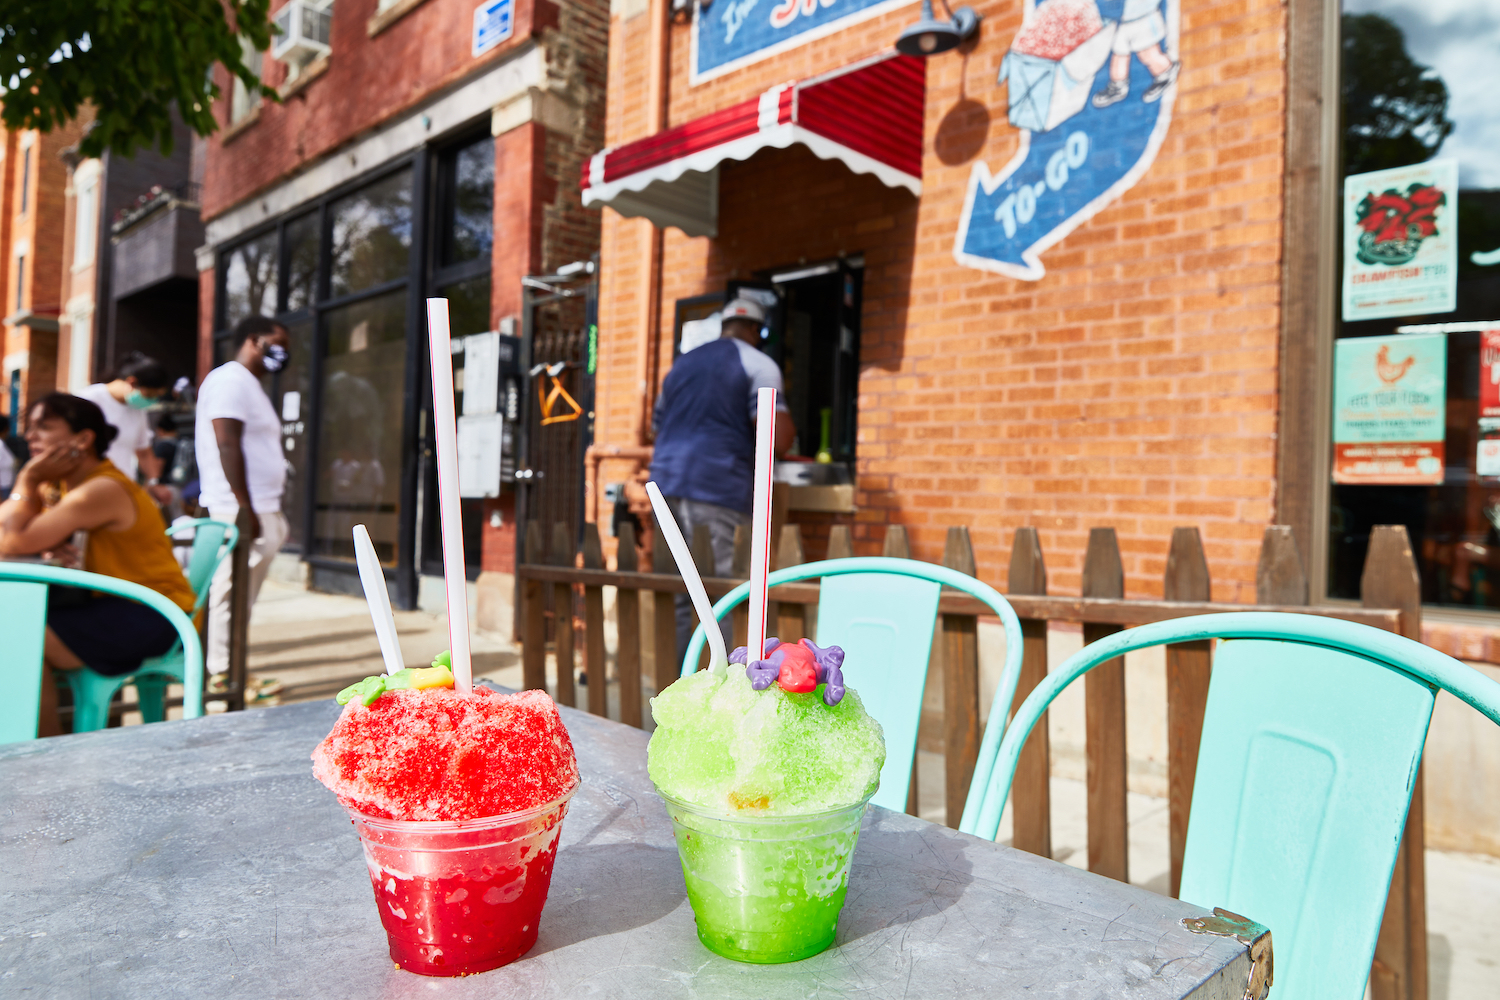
(201, 859)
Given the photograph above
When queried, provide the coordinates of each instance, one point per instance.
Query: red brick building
(421, 147)
(1100, 308)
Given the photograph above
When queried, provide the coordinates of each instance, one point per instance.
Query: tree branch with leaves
(134, 61)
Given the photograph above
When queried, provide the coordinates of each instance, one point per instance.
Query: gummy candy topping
(438, 755)
(723, 746)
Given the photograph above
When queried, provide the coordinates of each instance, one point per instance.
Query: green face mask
(138, 400)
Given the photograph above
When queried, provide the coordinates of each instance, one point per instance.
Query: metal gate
(559, 345)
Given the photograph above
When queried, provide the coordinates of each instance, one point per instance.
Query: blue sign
(492, 25)
(732, 33)
(1090, 86)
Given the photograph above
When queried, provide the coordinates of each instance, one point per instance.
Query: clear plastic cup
(464, 896)
(765, 889)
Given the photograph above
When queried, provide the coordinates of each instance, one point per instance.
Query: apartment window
(85, 207)
(241, 101)
(25, 172)
(1419, 209)
(20, 281)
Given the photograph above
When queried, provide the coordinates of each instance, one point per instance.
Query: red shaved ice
(435, 754)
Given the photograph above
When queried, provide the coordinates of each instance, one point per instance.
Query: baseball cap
(743, 309)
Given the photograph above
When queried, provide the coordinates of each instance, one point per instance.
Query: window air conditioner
(302, 27)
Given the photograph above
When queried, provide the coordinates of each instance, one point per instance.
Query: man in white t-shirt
(237, 441)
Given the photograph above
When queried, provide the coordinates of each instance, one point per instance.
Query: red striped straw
(760, 537)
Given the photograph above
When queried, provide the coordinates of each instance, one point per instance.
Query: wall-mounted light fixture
(929, 36)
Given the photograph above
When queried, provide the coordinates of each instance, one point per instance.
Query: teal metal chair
(23, 595)
(882, 612)
(1312, 738)
(213, 541)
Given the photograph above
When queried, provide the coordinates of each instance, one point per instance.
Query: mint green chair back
(212, 543)
(882, 612)
(21, 653)
(1312, 739)
(25, 605)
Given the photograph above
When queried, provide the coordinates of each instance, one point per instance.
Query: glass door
(462, 238)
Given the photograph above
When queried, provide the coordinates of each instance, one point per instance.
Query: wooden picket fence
(567, 580)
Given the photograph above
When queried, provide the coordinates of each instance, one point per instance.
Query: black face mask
(276, 358)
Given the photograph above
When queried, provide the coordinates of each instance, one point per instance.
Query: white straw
(440, 347)
(718, 659)
(760, 537)
(378, 598)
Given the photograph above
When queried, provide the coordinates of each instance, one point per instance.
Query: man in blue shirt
(704, 459)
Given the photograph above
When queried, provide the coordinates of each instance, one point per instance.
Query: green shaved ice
(721, 745)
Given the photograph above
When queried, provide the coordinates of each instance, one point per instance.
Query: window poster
(1401, 241)
(1487, 461)
(1389, 406)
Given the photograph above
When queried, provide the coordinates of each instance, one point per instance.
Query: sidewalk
(314, 644)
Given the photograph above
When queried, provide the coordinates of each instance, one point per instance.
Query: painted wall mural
(728, 34)
(1091, 85)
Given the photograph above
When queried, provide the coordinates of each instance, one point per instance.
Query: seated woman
(126, 539)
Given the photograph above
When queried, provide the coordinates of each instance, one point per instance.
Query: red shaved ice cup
(462, 896)
(765, 889)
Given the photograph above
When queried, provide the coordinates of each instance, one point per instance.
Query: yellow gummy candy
(431, 677)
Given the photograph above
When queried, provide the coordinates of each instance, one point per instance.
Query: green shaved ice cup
(765, 889)
(766, 790)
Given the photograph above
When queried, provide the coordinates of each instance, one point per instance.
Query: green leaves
(133, 60)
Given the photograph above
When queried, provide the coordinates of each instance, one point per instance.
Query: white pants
(273, 532)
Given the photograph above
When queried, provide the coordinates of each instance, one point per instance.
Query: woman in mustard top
(126, 539)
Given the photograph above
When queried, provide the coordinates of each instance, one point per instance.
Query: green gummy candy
(443, 659)
(399, 681)
(366, 691)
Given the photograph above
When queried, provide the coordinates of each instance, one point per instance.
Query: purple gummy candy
(830, 660)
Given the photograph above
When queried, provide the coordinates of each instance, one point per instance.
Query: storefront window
(292, 396)
(359, 442)
(372, 235)
(302, 262)
(250, 280)
(1417, 374)
(472, 232)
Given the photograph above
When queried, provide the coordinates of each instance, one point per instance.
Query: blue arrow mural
(1090, 86)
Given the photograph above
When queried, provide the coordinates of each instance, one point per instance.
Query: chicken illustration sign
(1401, 241)
(1090, 84)
(1389, 409)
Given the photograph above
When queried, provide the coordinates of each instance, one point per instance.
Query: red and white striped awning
(868, 116)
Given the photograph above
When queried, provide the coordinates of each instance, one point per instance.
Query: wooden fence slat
(896, 544)
(628, 610)
(790, 617)
(840, 544)
(1188, 665)
(1031, 792)
(664, 620)
(706, 564)
(596, 670)
(562, 616)
(1390, 580)
(534, 617)
(740, 567)
(1104, 701)
(1279, 575)
(960, 684)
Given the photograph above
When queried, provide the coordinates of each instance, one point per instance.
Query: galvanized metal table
(201, 859)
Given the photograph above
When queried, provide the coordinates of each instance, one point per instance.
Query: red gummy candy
(437, 755)
(799, 671)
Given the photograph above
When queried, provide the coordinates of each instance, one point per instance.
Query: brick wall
(1134, 386)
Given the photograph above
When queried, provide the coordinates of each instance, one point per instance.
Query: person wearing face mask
(237, 441)
(69, 439)
(138, 383)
